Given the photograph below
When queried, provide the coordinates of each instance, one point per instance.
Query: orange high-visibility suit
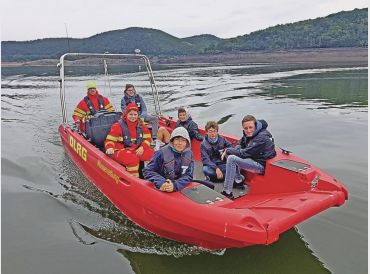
(82, 111)
(125, 142)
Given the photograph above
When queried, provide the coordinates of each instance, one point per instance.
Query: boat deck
(219, 186)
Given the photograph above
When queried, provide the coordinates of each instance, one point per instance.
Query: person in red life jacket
(89, 105)
(161, 135)
(129, 140)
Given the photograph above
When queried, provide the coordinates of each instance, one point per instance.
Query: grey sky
(33, 19)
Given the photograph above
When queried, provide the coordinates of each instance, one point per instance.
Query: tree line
(343, 29)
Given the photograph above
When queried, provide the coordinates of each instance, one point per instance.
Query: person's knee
(208, 171)
(132, 160)
(149, 118)
(164, 135)
(231, 158)
(147, 155)
(223, 168)
(261, 170)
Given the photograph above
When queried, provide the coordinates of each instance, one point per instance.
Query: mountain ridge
(342, 29)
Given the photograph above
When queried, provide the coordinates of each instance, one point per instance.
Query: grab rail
(146, 60)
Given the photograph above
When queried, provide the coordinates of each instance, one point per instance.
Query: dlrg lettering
(78, 148)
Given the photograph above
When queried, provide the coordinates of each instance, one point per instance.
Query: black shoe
(239, 185)
(228, 195)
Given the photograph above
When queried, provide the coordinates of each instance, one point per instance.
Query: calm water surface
(55, 221)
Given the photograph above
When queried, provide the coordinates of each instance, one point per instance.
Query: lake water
(55, 221)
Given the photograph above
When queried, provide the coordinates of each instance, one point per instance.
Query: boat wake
(104, 224)
(133, 239)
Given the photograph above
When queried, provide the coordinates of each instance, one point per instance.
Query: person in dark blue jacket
(211, 150)
(255, 147)
(172, 167)
(187, 122)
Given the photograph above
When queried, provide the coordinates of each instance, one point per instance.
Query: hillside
(203, 41)
(343, 29)
(150, 41)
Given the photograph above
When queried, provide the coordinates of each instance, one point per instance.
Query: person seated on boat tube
(211, 150)
(160, 135)
(255, 147)
(129, 140)
(187, 122)
(171, 168)
(90, 105)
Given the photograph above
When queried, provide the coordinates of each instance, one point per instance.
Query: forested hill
(149, 41)
(343, 29)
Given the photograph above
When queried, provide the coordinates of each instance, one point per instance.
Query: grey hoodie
(180, 132)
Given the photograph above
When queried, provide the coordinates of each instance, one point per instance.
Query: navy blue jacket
(211, 155)
(191, 127)
(258, 147)
(155, 172)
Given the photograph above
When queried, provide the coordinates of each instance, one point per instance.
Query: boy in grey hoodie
(172, 167)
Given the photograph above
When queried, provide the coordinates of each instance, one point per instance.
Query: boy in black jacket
(187, 122)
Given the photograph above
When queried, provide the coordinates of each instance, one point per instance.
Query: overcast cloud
(33, 19)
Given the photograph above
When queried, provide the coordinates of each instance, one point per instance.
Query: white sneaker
(158, 144)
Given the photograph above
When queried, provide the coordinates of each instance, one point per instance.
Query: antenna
(69, 49)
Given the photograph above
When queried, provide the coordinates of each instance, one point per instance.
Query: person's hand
(163, 186)
(167, 186)
(140, 151)
(223, 155)
(77, 124)
(109, 151)
(219, 174)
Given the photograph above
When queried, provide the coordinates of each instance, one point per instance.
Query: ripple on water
(223, 94)
(129, 237)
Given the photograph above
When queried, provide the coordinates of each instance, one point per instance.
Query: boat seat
(98, 127)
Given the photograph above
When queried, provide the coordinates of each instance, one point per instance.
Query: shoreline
(355, 56)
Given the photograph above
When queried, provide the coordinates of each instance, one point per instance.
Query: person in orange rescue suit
(129, 140)
(89, 105)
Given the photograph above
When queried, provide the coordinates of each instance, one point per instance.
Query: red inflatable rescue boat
(291, 190)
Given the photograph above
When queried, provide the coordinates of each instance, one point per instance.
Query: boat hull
(276, 202)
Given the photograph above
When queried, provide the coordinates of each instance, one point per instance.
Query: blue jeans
(233, 166)
(154, 121)
(211, 172)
